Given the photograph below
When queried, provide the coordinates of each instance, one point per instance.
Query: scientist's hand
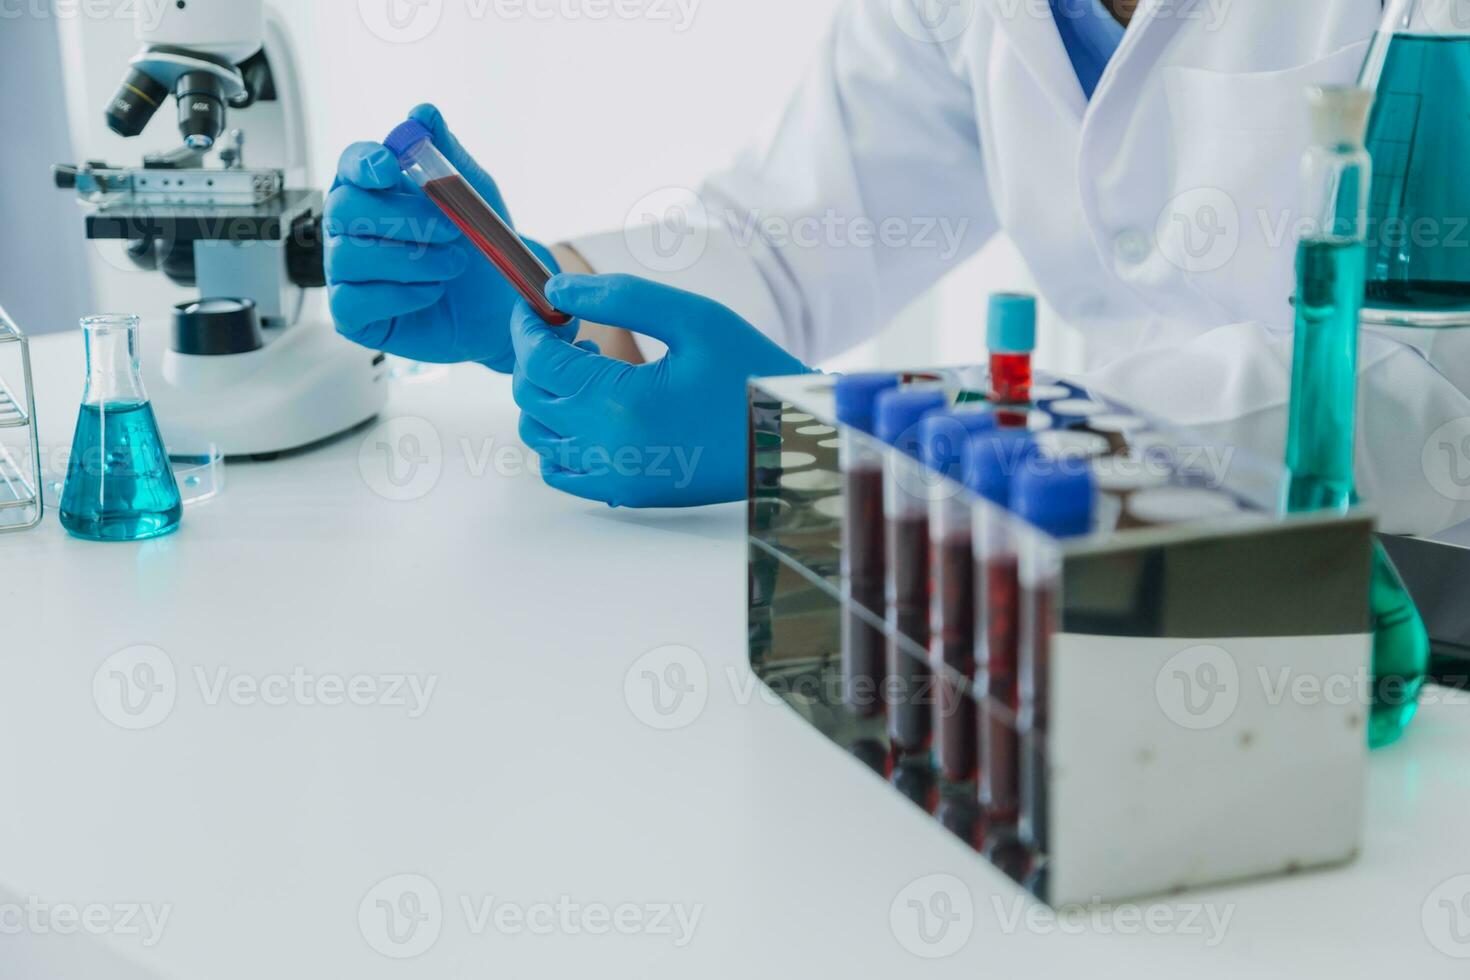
(668, 434)
(402, 277)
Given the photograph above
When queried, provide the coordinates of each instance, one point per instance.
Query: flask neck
(113, 374)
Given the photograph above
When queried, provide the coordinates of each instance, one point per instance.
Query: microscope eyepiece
(138, 98)
(201, 99)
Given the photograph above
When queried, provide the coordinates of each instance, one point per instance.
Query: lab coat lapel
(1031, 29)
(1121, 210)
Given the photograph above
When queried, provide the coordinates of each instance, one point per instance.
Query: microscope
(241, 370)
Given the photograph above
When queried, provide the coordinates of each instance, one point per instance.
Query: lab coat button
(1132, 247)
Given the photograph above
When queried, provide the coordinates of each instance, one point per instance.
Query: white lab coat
(1158, 219)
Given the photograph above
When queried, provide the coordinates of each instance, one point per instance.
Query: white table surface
(530, 777)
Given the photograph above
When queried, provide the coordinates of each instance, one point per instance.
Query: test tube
(944, 437)
(1011, 337)
(991, 466)
(860, 459)
(412, 143)
(1059, 501)
(906, 562)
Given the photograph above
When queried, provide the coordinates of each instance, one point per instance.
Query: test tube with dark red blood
(860, 458)
(412, 143)
(944, 437)
(909, 686)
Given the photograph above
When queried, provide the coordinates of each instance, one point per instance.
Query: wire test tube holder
(21, 507)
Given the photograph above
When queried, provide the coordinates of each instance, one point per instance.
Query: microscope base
(304, 386)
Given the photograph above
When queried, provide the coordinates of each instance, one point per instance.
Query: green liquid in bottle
(1319, 456)
(1420, 205)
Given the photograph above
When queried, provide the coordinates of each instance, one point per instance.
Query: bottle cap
(993, 460)
(1339, 114)
(405, 136)
(1012, 328)
(857, 395)
(899, 412)
(1057, 498)
(943, 436)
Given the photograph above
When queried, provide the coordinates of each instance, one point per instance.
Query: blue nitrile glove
(403, 278)
(668, 434)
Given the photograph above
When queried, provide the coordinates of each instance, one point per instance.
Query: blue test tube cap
(1012, 323)
(944, 434)
(857, 397)
(1056, 497)
(405, 136)
(899, 412)
(994, 460)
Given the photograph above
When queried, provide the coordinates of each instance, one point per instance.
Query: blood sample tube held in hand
(412, 144)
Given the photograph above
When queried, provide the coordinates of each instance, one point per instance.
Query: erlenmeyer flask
(1419, 137)
(119, 483)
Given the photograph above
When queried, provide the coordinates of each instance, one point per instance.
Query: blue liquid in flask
(119, 483)
(1419, 213)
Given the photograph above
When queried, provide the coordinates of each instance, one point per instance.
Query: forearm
(614, 341)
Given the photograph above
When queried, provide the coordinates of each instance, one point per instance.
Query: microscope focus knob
(216, 327)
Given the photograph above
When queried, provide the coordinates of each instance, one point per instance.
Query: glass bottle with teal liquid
(119, 483)
(1331, 277)
(1418, 259)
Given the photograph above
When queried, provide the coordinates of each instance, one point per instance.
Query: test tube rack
(21, 505)
(1175, 755)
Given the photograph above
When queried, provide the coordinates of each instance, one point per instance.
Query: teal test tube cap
(1012, 323)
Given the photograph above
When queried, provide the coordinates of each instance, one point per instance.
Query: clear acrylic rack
(21, 506)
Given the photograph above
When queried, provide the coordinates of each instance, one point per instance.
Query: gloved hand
(668, 434)
(402, 277)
